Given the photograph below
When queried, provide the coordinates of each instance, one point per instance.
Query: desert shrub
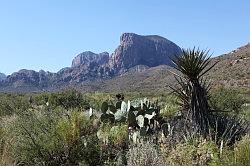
(145, 154)
(96, 99)
(226, 100)
(70, 99)
(194, 151)
(119, 135)
(58, 137)
(246, 112)
(114, 142)
(5, 141)
(64, 99)
(242, 152)
(10, 103)
(169, 106)
(228, 129)
(2, 141)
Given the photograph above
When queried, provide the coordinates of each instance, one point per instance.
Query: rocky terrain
(2, 76)
(233, 69)
(135, 53)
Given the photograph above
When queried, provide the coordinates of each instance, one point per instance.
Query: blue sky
(47, 34)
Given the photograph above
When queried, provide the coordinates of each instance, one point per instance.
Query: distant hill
(157, 79)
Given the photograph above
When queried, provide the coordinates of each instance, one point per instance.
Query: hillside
(233, 69)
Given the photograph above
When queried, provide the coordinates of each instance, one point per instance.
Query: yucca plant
(193, 89)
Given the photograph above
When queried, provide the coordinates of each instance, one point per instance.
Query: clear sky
(47, 34)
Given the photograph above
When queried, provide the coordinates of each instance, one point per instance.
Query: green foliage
(67, 99)
(170, 106)
(96, 99)
(246, 112)
(53, 138)
(193, 63)
(11, 103)
(119, 135)
(195, 151)
(242, 152)
(226, 100)
(2, 141)
(193, 90)
(53, 129)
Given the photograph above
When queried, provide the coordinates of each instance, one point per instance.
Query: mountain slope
(233, 69)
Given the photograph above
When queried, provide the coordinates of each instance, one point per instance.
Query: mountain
(2, 76)
(139, 63)
(89, 58)
(136, 53)
(149, 50)
(232, 69)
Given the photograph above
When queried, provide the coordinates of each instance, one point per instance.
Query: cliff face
(28, 78)
(135, 50)
(89, 58)
(2, 76)
(135, 53)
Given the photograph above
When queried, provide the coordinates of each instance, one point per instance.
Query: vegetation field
(190, 125)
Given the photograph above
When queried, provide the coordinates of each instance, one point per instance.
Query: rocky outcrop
(135, 50)
(2, 76)
(89, 58)
(29, 78)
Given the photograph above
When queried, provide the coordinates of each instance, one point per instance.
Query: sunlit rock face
(136, 50)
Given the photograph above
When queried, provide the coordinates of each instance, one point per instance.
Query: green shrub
(226, 100)
(242, 152)
(119, 135)
(195, 151)
(2, 141)
(169, 106)
(11, 103)
(70, 99)
(58, 137)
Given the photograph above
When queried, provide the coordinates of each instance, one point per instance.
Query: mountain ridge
(232, 71)
(134, 50)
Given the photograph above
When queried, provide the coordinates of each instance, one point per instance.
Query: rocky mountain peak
(136, 53)
(136, 50)
(2, 76)
(87, 58)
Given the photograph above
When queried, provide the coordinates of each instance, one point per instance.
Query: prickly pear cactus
(140, 114)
